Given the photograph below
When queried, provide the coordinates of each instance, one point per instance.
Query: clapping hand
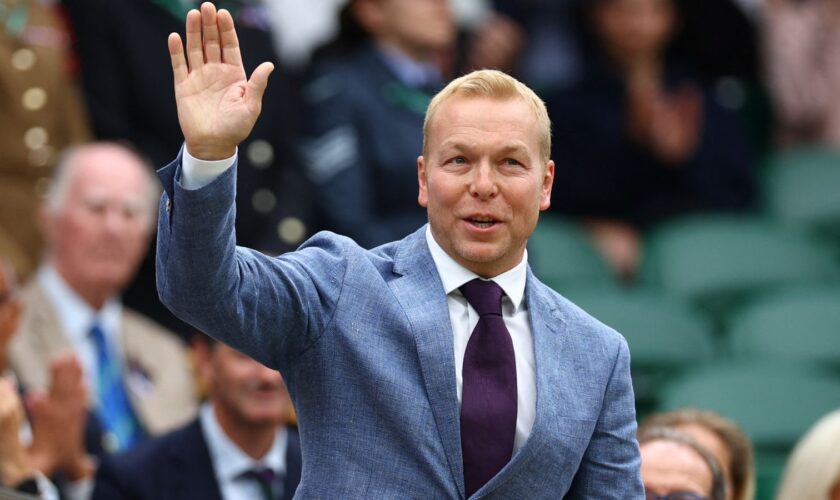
(217, 104)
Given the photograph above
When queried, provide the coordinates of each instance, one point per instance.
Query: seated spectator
(675, 466)
(364, 116)
(802, 66)
(55, 445)
(236, 449)
(639, 139)
(97, 220)
(813, 468)
(727, 442)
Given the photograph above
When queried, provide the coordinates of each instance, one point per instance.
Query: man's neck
(94, 296)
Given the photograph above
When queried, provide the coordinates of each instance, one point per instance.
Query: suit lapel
(42, 338)
(547, 328)
(421, 295)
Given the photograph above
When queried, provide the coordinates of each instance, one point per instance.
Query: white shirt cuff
(198, 173)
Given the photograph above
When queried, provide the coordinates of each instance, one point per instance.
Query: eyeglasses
(680, 495)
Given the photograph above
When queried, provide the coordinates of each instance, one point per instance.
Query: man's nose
(484, 183)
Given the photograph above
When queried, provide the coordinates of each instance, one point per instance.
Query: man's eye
(511, 161)
(459, 160)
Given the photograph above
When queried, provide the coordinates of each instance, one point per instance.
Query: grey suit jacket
(364, 341)
(167, 401)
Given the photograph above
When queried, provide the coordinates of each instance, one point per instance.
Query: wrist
(210, 152)
(42, 461)
(79, 467)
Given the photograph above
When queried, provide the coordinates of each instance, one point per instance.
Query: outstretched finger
(210, 33)
(195, 54)
(259, 81)
(229, 40)
(176, 53)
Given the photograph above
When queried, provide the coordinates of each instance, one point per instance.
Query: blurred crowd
(661, 109)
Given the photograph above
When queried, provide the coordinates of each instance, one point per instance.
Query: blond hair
(813, 468)
(741, 466)
(493, 84)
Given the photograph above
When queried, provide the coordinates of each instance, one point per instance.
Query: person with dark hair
(364, 103)
(675, 467)
(729, 444)
(239, 447)
(641, 138)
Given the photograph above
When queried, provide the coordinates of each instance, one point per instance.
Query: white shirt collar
(229, 462)
(453, 275)
(75, 315)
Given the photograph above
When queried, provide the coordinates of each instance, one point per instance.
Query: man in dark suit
(437, 366)
(238, 448)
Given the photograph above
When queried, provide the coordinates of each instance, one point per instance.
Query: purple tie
(265, 478)
(488, 403)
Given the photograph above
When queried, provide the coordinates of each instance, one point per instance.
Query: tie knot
(485, 296)
(262, 474)
(96, 333)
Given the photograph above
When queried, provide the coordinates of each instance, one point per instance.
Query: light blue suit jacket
(364, 341)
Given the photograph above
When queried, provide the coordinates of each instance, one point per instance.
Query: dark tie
(113, 409)
(488, 403)
(264, 477)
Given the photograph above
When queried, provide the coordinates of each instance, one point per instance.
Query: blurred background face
(418, 28)
(669, 467)
(244, 390)
(714, 445)
(99, 232)
(631, 29)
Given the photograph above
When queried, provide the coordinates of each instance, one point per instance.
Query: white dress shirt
(515, 314)
(76, 318)
(198, 173)
(229, 462)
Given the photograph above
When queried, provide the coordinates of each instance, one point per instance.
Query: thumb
(35, 401)
(259, 80)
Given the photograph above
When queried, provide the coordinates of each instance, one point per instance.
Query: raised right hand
(217, 104)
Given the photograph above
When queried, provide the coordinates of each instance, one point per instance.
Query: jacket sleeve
(271, 308)
(610, 465)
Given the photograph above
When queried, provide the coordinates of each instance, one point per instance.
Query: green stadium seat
(799, 324)
(775, 403)
(801, 188)
(561, 254)
(664, 335)
(720, 262)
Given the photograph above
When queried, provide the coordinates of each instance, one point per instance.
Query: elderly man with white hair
(97, 220)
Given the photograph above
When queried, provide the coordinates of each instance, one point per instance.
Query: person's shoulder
(349, 76)
(149, 460)
(580, 324)
(147, 333)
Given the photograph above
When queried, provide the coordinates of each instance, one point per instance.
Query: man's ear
(422, 182)
(202, 363)
(369, 15)
(547, 183)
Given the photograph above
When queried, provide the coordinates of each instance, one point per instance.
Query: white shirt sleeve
(198, 173)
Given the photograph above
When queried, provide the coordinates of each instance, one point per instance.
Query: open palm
(217, 104)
